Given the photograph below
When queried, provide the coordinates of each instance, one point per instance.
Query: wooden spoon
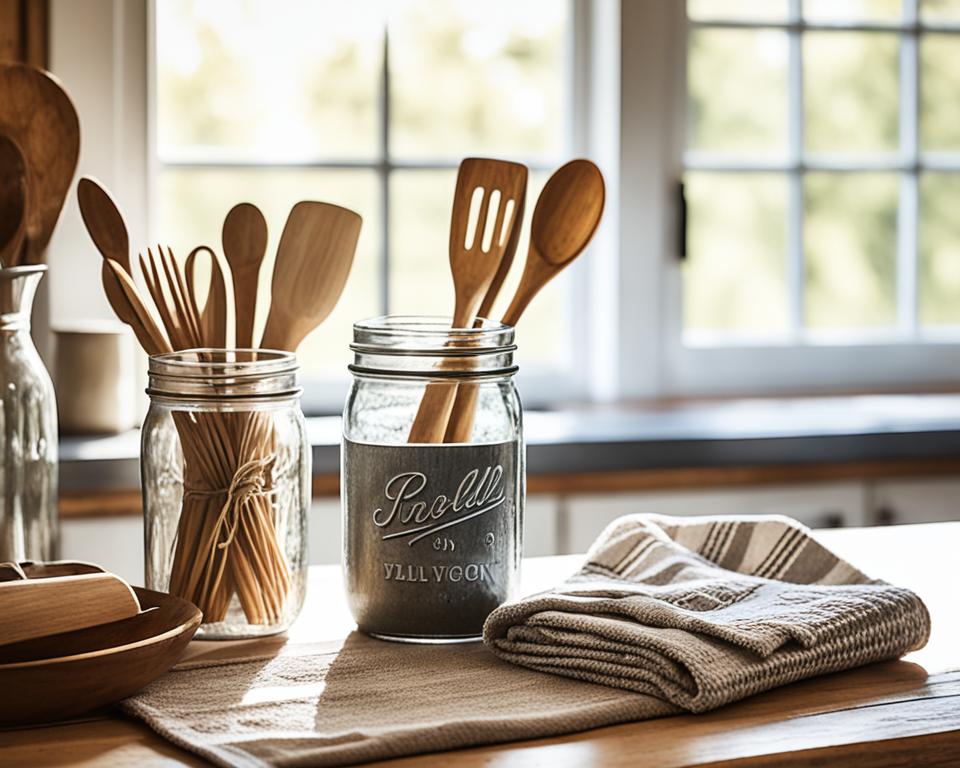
(565, 218)
(104, 222)
(39, 117)
(13, 200)
(313, 260)
(244, 245)
(474, 264)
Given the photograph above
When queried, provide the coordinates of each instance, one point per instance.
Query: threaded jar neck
(428, 347)
(223, 374)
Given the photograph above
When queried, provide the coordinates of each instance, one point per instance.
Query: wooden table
(891, 714)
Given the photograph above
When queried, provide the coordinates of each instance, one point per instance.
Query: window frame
(907, 355)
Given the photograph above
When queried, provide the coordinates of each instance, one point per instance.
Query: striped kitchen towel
(700, 612)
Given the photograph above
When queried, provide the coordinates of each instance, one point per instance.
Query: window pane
(472, 78)
(192, 206)
(738, 90)
(735, 275)
(850, 91)
(764, 10)
(853, 10)
(940, 249)
(420, 280)
(225, 87)
(939, 86)
(940, 10)
(850, 239)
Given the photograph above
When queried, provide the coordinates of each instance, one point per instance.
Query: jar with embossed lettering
(432, 478)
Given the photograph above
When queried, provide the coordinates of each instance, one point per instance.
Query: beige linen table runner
(667, 615)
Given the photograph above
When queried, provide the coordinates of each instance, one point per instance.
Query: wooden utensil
(125, 299)
(565, 218)
(313, 261)
(13, 200)
(213, 317)
(37, 114)
(476, 253)
(67, 675)
(104, 222)
(31, 608)
(244, 245)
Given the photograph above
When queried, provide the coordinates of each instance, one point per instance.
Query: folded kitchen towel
(667, 615)
(700, 612)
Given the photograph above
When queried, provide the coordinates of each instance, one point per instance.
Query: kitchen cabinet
(926, 500)
(826, 505)
(558, 524)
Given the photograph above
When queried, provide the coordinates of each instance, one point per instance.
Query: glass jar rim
(429, 346)
(431, 335)
(223, 373)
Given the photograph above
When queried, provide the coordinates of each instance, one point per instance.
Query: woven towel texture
(705, 611)
(666, 615)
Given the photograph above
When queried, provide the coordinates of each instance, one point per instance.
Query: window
(370, 105)
(821, 172)
(818, 142)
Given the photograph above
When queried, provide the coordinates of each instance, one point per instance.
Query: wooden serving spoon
(565, 218)
(104, 222)
(39, 117)
(13, 201)
(244, 245)
(313, 261)
(474, 264)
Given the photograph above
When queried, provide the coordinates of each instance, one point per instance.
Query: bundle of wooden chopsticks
(228, 543)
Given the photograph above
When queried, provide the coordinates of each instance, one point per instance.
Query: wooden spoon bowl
(13, 200)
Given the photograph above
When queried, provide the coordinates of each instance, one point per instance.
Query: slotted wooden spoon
(313, 261)
(244, 245)
(565, 218)
(13, 201)
(474, 264)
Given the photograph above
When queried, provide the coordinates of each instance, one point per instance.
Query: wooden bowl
(63, 676)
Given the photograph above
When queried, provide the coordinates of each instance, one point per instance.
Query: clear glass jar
(432, 531)
(225, 473)
(28, 477)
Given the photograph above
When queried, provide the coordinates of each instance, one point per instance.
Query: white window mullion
(796, 273)
(383, 174)
(908, 209)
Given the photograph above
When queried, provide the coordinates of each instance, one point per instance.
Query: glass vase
(29, 527)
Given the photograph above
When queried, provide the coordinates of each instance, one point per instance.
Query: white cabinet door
(921, 500)
(818, 505)
(115, 543)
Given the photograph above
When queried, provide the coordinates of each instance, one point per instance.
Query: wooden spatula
(475, 258)
(31, 608)
(313, 260)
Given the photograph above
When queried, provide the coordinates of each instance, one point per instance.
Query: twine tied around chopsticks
(248, 481)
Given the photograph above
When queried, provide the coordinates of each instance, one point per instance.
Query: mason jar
(225, 473)
(432, 525)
